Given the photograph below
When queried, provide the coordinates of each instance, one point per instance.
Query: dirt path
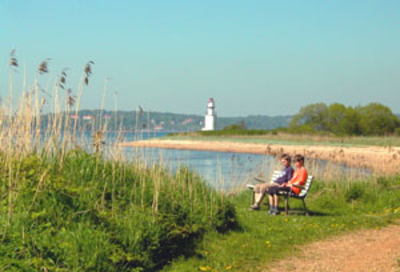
(381, 159)
(362, 251)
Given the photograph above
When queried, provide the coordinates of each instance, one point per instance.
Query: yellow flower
(228, 267)
(205, 268)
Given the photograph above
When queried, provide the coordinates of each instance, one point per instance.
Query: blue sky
(253, 57)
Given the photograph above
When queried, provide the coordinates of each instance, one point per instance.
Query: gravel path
(362, 251)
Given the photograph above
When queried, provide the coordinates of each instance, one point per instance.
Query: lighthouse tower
(210, 118)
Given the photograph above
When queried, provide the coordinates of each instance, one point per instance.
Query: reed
(76, 203)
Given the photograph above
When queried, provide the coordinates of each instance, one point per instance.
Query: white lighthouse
(210, 118)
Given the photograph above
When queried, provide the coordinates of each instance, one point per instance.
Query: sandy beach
(381, 160)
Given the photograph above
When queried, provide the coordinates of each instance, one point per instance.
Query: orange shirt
(299, 177)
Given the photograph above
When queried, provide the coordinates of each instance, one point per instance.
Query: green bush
(355, 192)
(372, 119)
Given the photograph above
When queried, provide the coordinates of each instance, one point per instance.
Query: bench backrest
(306, 188)
(277, 174)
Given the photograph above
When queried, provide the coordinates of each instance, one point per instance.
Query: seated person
(299, 179)
(260, 189)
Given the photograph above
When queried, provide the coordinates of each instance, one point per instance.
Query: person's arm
(291, 181)
(290, 177)
(290, 173)
(285, 177)
(301, 178)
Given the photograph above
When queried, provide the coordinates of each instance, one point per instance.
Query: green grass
(292, 139)
(80, 212)
(336, 209)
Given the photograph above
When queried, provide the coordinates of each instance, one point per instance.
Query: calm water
(225, 170)
(222, 170)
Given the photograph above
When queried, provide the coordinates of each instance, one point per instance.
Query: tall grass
(72, 205)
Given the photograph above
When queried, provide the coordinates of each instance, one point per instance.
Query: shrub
(355, 192)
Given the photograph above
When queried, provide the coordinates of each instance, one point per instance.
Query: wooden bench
(302, 195)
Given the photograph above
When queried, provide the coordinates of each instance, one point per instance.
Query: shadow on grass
(310, 213)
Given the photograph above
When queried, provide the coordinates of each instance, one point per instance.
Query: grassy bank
(336, 208)
(70, 202)
(268, 137)
(83, 213)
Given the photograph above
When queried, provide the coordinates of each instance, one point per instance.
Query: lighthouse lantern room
(210, 117)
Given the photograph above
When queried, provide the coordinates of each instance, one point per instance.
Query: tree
(336, 117)
(314, 116)
(350, 125)
(377, 119)
(373, 119)
(239, 126)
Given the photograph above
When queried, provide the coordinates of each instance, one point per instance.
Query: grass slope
(337, 208)
(80, 212)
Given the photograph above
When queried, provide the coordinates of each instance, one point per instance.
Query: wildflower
(228, 267)
(205, 268)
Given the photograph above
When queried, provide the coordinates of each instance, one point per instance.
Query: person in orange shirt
(293, 186)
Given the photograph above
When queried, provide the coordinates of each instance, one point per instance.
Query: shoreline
(379, 159)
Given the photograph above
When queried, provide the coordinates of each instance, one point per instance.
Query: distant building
(187, 121)
(210, 118)
(88, 117)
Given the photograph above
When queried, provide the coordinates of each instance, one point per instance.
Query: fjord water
(222, 170)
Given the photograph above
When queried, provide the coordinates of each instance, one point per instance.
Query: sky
(252, 57)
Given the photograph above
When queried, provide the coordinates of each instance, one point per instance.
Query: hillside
(171, 122)
(164, 121)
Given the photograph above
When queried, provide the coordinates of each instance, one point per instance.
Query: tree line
(372, 119)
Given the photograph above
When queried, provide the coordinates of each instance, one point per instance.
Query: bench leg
(286, 205)
(305, 207)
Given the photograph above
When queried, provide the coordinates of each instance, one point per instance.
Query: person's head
(298, 160)
(285, 160)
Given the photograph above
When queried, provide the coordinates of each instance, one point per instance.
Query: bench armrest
(298, 186)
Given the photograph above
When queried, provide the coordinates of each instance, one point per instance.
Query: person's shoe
(270, 212)
(276, 212)
(250, 186)
(254, 207)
